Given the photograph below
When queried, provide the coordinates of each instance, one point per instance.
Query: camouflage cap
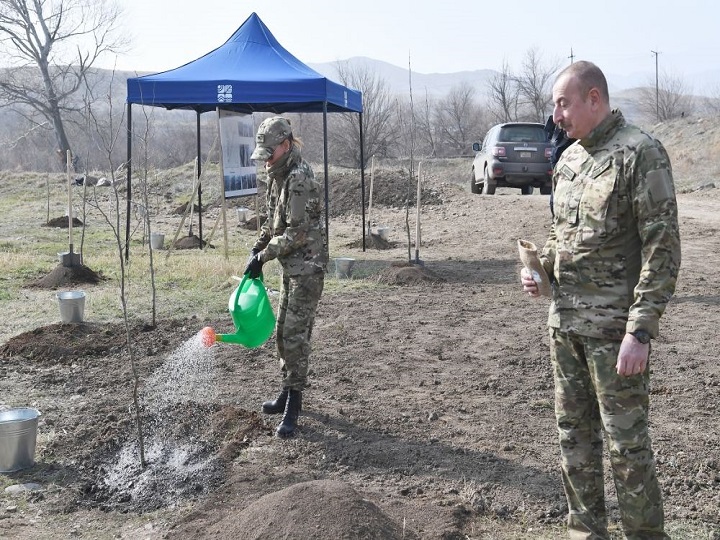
(270, 134)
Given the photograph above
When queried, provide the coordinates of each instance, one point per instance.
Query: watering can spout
(237, 338)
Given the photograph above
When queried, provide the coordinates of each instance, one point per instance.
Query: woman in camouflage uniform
(294, 234)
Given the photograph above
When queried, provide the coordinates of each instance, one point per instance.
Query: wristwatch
(642, 336)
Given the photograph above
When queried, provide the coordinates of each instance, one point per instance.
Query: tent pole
(199, 188)
(327, 184)
(128, 172)
(362, 179)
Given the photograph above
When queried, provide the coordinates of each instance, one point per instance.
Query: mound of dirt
(374, 241)
(190, 242)
(67, 343)
(66, 275)
(251, 224)
(311, 510)
(407, 274)
(62, 222)
(391, 187)
(180, 210)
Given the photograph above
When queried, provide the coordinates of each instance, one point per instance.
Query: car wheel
(526, 190)
(488, 185)
(474, 187)
(545, 190)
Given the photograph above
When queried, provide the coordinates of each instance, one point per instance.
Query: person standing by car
(294, 233)
(559, 141)
(613, 254)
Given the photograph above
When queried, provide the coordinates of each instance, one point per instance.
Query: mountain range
(438, 84)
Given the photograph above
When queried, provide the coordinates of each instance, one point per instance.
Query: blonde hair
(296, 141)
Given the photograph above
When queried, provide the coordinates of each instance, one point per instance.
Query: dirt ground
(430, 411)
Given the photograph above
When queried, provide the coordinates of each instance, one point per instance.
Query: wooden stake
(372, 180)
(417, 219)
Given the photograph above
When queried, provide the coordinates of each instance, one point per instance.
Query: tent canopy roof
(250, 72)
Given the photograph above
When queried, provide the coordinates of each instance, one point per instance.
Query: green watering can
(252, 315)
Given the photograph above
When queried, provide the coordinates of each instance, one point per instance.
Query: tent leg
(362, 178)
(327, 184)
(199, 188)
(128, 172)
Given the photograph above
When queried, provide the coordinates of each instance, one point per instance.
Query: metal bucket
(72, 306)
(157, 240)
(344, 267)
(243, 214)
(18, 433)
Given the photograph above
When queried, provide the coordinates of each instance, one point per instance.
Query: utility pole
(572, 56)
(657, 87)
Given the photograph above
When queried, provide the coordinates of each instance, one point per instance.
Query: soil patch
(432, 399)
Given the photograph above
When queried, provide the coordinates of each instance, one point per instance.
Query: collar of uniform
(604, 130)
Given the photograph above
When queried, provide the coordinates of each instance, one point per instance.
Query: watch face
(642, 336)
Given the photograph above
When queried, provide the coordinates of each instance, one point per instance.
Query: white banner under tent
(237, 141)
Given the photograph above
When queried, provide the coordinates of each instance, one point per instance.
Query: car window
(522, 134)
(486, 139)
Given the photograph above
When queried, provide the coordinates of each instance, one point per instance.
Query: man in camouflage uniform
(294, 234)
(613, 254)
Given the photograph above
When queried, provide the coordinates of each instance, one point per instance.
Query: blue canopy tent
(250, 72)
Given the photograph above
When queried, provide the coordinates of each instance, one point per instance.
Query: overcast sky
(439, 37)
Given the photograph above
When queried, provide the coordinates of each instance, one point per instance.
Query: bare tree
(50, 47)
(667, 100)
(711, 102)
(460, 119)
(504, 94)
(426, 127)
(533, 83)
(108, 131)
(377, 118)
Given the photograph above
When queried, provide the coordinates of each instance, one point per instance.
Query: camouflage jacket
(614, 247)
(294, 232)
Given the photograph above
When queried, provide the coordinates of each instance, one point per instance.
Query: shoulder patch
(566, 173)
(653, 154)
(660, 185)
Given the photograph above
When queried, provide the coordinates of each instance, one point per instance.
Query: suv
(514, 154)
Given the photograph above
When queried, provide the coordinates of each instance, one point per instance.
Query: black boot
(292, 410)
(277, 405)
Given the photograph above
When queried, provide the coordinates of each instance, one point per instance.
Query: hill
(398, 79)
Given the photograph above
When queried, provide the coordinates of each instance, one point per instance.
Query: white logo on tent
(224, 93)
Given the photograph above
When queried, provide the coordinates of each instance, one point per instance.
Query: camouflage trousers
(299, 297)
(591, 398)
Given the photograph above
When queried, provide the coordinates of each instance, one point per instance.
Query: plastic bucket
(72, 306)
(252, 313)
(344, 267)
(18, 434)
(157, 240)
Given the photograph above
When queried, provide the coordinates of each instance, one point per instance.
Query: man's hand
(254, 267)
(528, 283)
(633, 356)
